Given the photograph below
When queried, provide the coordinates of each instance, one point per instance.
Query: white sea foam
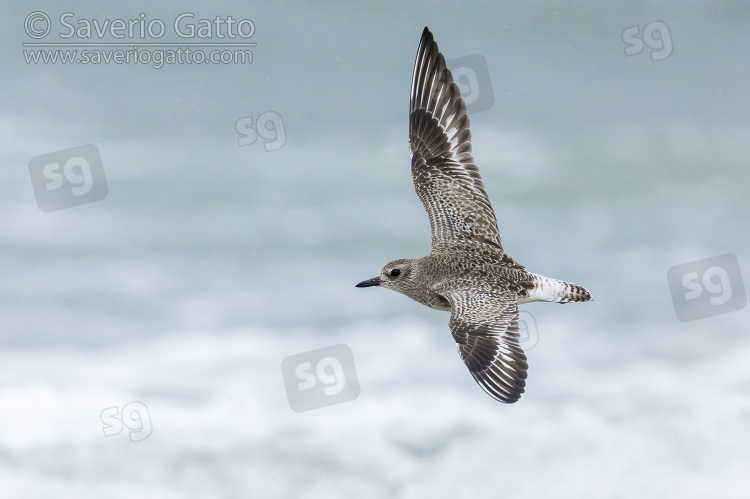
(221, 424)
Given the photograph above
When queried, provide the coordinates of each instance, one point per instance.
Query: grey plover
(467, 271)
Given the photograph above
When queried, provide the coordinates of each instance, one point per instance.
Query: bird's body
(463, 263)
(467, 271)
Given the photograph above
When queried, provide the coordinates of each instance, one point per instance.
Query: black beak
(375, 281)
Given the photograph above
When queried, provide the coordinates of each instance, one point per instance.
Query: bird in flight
(467, 272)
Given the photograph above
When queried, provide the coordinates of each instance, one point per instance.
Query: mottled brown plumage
(467, 271)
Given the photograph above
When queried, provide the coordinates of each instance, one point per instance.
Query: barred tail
(546, 289)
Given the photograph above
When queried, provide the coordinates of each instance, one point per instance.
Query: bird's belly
(526, 299)
(437, 302)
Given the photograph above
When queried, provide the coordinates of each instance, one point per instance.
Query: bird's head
(398, 275)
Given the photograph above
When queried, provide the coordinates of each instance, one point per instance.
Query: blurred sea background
(210, 262)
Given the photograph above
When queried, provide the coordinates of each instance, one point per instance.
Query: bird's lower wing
(485, 326)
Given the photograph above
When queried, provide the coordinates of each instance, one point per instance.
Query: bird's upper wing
(445, 176)
(485, 326)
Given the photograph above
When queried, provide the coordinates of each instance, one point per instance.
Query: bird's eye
(395, 272)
